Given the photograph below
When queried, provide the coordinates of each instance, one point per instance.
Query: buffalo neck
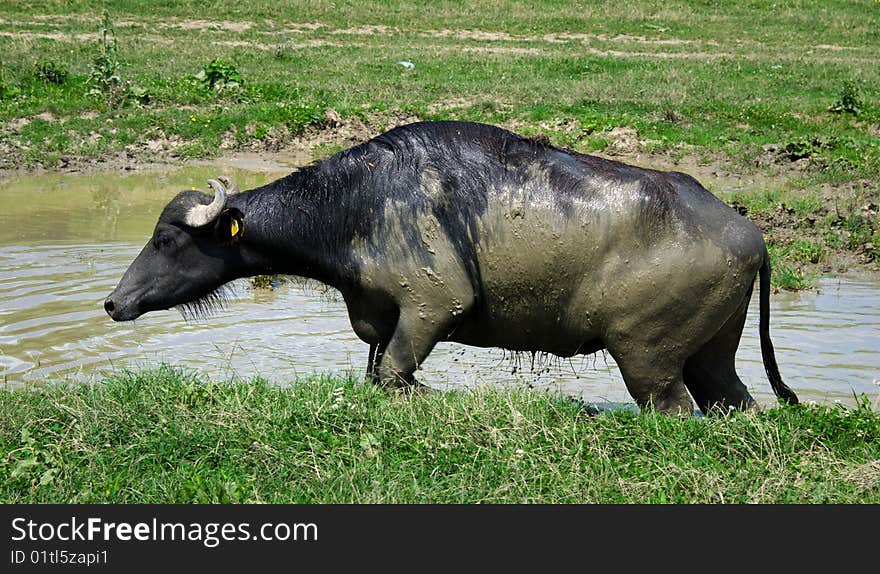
(296, 226)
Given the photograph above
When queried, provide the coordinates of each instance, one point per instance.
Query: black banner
(121, 538)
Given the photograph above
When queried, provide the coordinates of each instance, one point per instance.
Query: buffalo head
(196, 248)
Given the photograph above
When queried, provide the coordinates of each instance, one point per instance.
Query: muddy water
(66, 239)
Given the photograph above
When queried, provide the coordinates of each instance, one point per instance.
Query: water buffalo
(467, 232)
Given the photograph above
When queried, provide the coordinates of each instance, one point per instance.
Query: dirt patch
(230, 138)
(264, 162)
(479, 35)
(659, 55)
(15, 125)
(833, 48)
(182, 24)
(370, 30)
(59, 36)
(314, 43)
(560, 37)
(503, 50)
(65, 17)
(453, 104)
(207, 25)
(621, 38)
(624, 141)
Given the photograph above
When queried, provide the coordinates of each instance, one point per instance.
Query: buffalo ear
(230, 225)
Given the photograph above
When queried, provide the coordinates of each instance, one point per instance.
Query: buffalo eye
(162, 239)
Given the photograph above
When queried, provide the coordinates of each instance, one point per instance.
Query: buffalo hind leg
(655, 383)
(710, 374)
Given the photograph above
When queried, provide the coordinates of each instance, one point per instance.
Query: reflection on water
(65, 241)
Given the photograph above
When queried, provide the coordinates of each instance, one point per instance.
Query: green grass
(726, 85)
(167, 436)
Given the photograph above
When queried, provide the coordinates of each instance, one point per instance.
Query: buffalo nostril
(109, 306)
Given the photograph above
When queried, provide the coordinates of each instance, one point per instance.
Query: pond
(65, 240)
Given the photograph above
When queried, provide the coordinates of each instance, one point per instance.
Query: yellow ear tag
(234, 228)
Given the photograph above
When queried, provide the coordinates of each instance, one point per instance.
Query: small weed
(791, 278)
(863, 235)
(833, 239)
(7, 92)
(671, 116)
(220, 76)
(51, 73)
(785, 275)
(806, 205)
(259, 131)
(807, 251)
(806, 147)
(850, 100)
(104, 78)
(282, 50)
(301, 114)
(32, 463)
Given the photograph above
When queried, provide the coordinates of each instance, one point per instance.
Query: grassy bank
(167, 436)
(776, 107)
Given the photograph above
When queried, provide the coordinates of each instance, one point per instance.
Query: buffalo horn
(230, 185)
(204, 214)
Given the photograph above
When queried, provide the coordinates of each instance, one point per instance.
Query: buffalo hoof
(414, 388)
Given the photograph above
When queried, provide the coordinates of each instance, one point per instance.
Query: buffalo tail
(772, 369)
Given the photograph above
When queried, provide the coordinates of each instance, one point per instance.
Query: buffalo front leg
(413, 339)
